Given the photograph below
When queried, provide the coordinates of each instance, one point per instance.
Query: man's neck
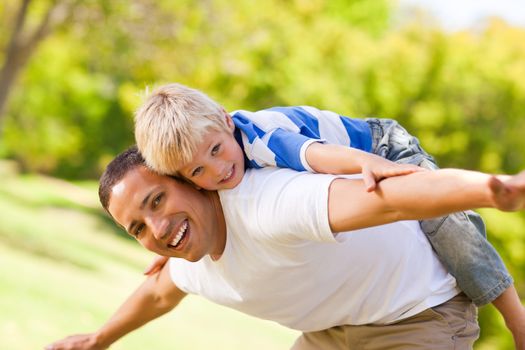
(220, 228)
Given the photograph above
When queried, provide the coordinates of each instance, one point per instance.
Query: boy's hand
(379, 168)
(156, 265)
(508, 192)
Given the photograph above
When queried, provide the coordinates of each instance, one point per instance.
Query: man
(271, 248)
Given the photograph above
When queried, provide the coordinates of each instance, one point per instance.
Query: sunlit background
(72, 73)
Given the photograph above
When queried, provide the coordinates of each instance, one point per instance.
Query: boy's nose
(217, 169)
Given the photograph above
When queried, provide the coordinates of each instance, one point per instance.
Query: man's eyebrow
(133, 223)
(145, 200)
(142, 205)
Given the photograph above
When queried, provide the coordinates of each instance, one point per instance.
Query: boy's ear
(229, 121)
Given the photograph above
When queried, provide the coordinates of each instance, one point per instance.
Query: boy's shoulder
(268, 119)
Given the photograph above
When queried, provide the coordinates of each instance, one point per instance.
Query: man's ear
(229, 121)
(189, 182)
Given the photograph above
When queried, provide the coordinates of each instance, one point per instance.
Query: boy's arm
(421, 195)
(156, 296)
(337, 159)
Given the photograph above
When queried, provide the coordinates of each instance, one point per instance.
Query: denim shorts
(391, 141)
(458, 239)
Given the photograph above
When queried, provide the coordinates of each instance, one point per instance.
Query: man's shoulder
(256, 178)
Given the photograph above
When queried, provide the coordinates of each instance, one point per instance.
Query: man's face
(167, 217)
(218, 162)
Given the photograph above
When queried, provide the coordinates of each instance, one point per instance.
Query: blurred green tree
(27, 32)
(74, 103)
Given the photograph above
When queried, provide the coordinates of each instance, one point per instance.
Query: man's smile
(180, 235)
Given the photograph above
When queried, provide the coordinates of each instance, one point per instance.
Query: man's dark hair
(115, 172)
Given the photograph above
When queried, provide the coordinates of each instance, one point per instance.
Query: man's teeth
(180, 234)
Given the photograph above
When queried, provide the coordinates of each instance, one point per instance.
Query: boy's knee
(476, 220)
(459, 223)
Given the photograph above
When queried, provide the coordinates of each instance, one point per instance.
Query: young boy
(181, 131)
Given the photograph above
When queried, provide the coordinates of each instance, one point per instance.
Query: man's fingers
(496, 186)
(508, 193)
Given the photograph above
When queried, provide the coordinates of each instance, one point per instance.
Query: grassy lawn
(66, 267)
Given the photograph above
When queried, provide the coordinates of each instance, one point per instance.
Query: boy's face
(218, 162)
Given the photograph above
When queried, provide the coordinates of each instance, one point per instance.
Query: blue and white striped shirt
(279, 136)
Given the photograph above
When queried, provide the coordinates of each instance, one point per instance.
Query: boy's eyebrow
(141, 207)
(211, 143)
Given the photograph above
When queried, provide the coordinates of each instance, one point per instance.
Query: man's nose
(157, 226)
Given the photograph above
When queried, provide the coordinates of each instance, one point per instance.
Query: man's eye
(197, 171)
(138, 230)
(156, 200)
(215, 149)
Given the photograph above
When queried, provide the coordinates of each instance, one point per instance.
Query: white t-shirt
(282, 262)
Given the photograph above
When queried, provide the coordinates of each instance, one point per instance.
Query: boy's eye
(215, 149)
(197, 171)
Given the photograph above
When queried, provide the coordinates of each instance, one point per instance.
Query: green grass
(66, 267)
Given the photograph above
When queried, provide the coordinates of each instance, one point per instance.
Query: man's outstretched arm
(156, 296)
(421, 195)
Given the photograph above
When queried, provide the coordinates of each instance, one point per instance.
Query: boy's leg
(459, 239)
(464, 250)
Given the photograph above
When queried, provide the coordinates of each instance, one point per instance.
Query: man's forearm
(156, 296)
(416, 196)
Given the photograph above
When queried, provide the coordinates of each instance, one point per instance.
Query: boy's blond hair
(171, 123)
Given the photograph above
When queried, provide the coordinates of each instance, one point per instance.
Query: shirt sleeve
(290, 149)
(269, 138)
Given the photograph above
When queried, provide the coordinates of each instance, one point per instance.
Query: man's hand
(77, 342)
(508, 192)
(156, 265)
(376, 169)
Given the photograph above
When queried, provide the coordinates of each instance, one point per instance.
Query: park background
(72, 73)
